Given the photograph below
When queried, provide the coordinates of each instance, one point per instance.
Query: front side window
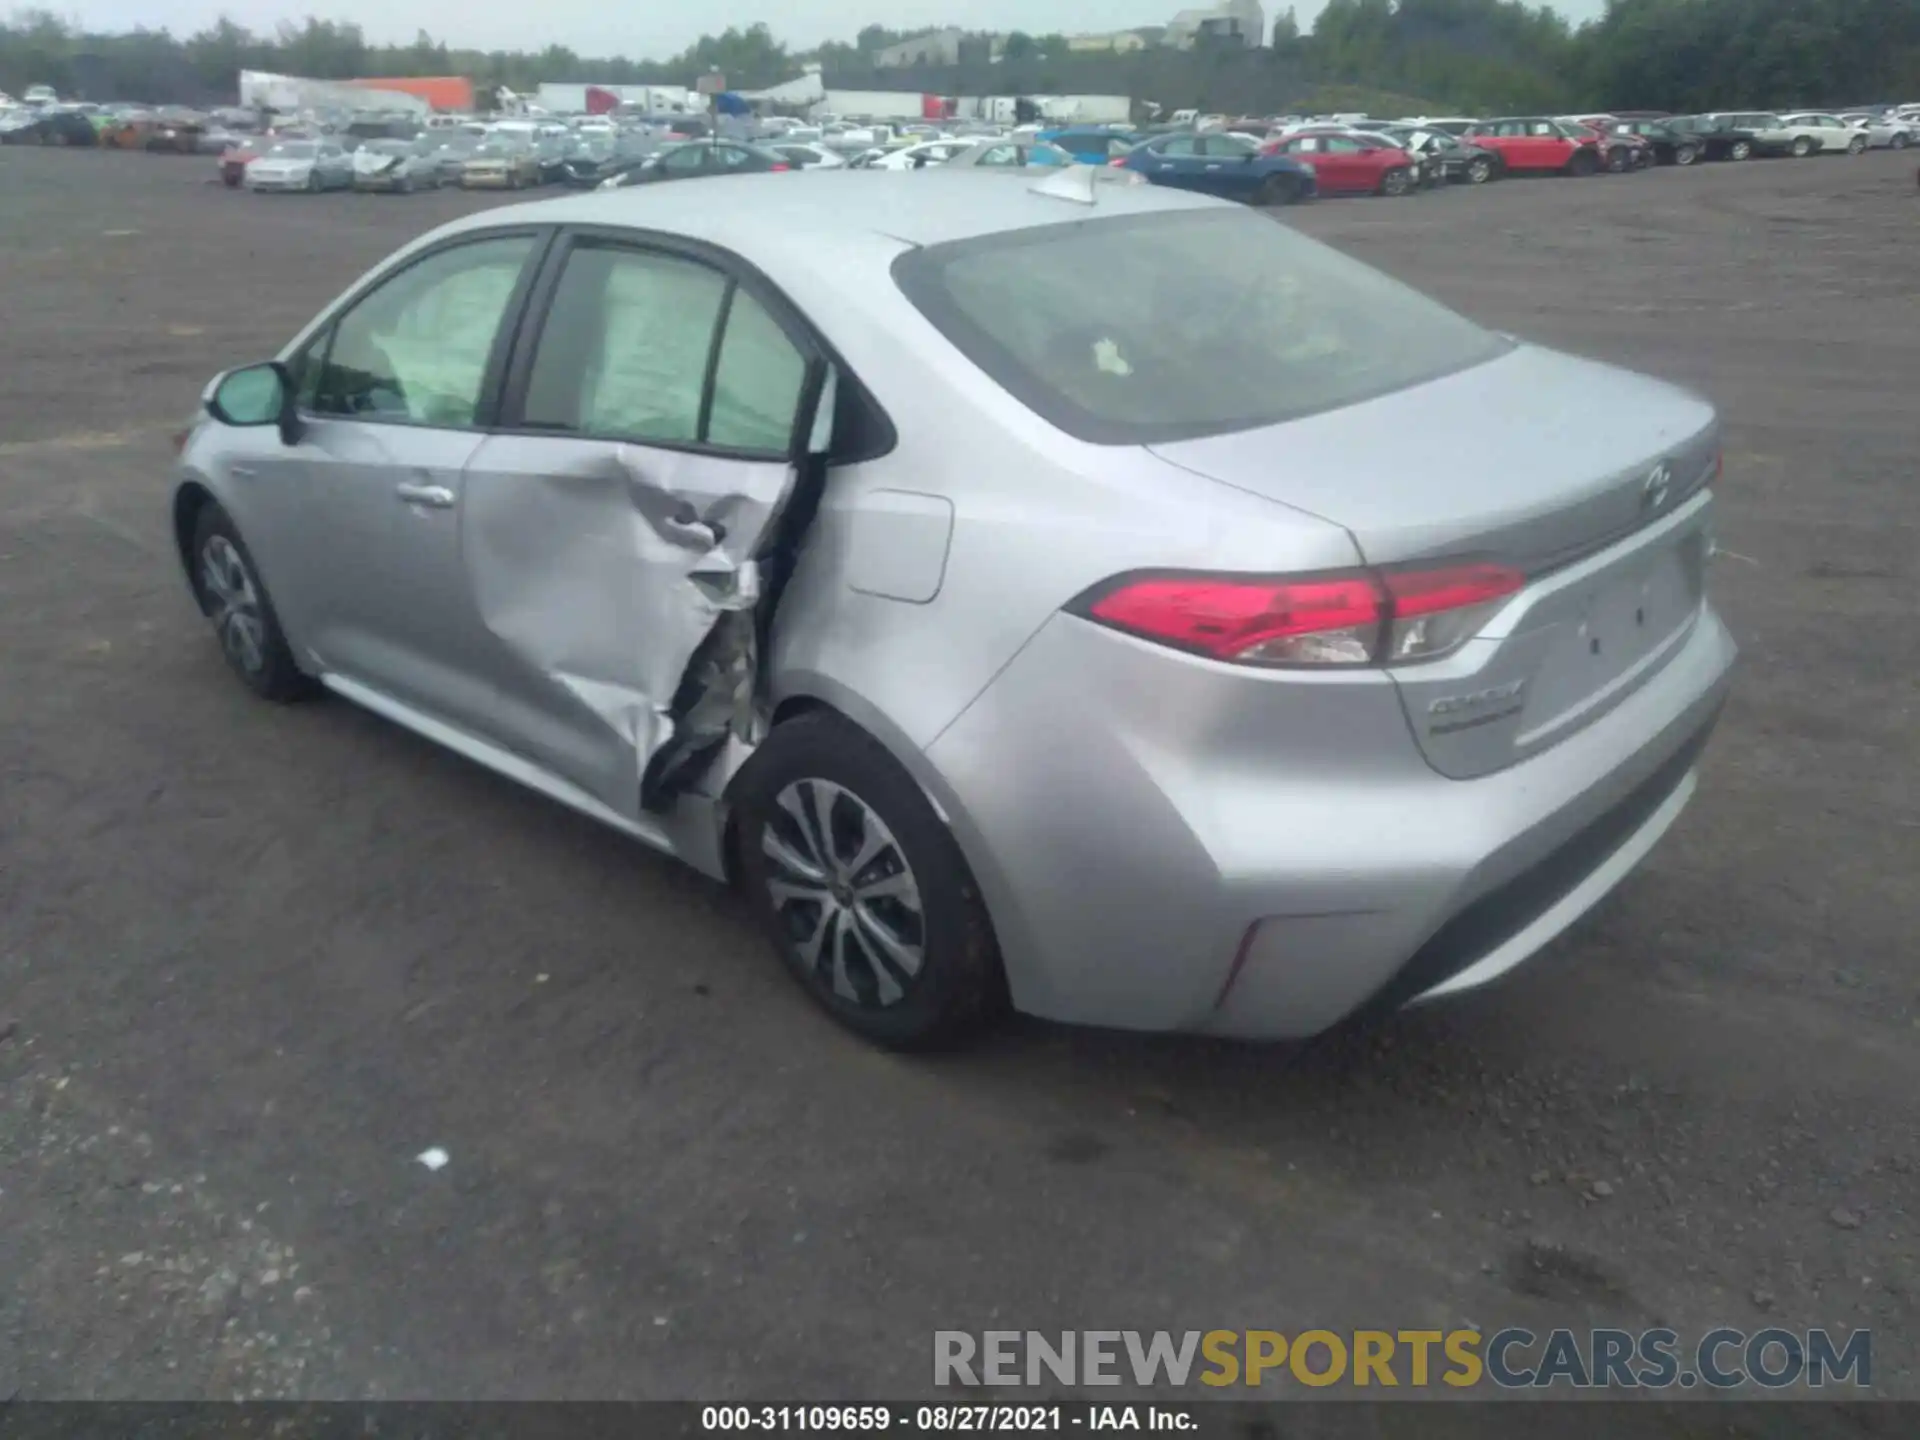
(1001, 155)
(415, 351)
(1186, 145)
(684, 160)
(1144, 329)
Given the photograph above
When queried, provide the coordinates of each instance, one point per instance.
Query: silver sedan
(1100, 599)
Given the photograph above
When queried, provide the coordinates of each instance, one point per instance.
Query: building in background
(951, 46)
(1241, 20)
(1117, 42)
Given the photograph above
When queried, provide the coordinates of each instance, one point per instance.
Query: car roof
(753, 214)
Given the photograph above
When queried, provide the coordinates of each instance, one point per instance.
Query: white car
(39, 95)
(1885, 132)
(1832, 132)
(806, 155)
(914, 157)
(301, 165)
(1789, 135)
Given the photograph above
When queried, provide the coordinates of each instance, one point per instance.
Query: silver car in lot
(307, 165)
(1095, 597)
(397, 166)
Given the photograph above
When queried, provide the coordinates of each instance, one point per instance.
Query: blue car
(1090, 145)
(1229, 166)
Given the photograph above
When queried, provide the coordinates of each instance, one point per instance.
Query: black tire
(1619, 159)
(1583, 162)
(266, 667)
(1740, 150)
(1479, 171)
(1801, 147)
(1685, 154)
(313, 182)
(1277, 190)
(958, 986)
(1642, 158)
(1396, 182)
(1857, 145)
(1899, 140)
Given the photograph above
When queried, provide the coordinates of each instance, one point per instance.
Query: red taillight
(1118, 160)
(1356, 619)
(779, 167)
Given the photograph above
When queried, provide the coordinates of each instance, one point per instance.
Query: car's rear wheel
(1857, 145)
(1898, 142)
(1479, 171)
(1801, 147)
(862, 888)
(313, 182)
(1642, 158)
(1396, 181)
(1740, 150)
(1685, 154)
(1584, 162)
(232, 597)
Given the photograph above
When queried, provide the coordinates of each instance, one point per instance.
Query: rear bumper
(1266, 860)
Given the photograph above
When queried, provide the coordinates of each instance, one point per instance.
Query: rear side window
(629, 344)
(1145, 329)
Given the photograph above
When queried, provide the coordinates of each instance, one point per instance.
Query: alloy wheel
(234, 602)
(844, 893)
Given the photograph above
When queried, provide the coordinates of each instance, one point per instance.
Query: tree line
(1472, 56)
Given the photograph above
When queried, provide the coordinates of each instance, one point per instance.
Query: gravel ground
(253, 961)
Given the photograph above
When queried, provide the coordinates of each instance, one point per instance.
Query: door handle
(242, 472)
(434, 497)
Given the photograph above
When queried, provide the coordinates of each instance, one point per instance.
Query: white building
(1242, 18)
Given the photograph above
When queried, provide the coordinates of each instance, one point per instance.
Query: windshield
(496, 149)
(1154, 328)
(294, 150)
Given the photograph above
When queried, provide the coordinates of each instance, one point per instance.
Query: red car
(1345, 163)
(233, 162)
(1539, 143)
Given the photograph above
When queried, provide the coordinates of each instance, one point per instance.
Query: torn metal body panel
(622, 582)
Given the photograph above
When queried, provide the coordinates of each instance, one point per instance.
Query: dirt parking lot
(253, 960)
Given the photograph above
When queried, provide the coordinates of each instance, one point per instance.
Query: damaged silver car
(1092, 597)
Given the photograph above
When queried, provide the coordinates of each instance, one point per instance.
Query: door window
(757, 383)
(731, 157)
(1001, 155)
(685, 160)
(1342, 145)
(623, 355)
(415, 351)
(623, 352)
(1185, 145)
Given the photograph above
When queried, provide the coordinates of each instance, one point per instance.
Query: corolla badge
(1653, 490)
(1476, 707)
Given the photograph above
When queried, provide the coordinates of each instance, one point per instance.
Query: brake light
(779, 167)
(1362, 618)
(1332, 621)
(1118, 160)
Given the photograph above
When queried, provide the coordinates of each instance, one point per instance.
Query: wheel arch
(815, 694)
(190, 500)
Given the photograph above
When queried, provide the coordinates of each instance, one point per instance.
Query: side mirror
(256, 395)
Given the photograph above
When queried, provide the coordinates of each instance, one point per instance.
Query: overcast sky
(594, 27)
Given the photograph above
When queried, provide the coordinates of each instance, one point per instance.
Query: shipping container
(442, 92)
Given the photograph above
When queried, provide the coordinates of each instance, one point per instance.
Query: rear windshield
(1146, 329)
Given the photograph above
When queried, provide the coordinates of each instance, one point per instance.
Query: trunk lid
(1588, 478)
